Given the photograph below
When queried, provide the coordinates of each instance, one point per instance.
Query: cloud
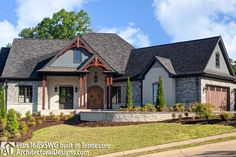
(130, 33)
(191, 19)
(31, 12)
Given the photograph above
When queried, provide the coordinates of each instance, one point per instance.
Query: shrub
(202, 110)
(17, 135)
(138, 109)
(180, 116)
(65, 117)
(3, 112)
(51, 114)
(43, 118)
(149, 108)
(61, 115)
(3, 139)
(160, 100)
(31, 121)
(18, 115)
(12, 123)
(28, 114)
(35, 114)
(23, 128)
(56, 118)
(226, 115)
(173, 115)
(179, 107)
(6, 134)
(3, 124)
(186, 114)
(39, 122)
(70, 115)
(171, 109)
(129, 100)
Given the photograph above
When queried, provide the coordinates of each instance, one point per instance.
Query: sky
(141, 22)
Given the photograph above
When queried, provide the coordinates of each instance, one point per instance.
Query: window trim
(153, 84)
(217, 59)
(25, 93)
(117, 98)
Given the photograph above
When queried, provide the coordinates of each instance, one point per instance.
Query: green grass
(128, 137)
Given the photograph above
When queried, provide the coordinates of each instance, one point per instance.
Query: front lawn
(127, 137)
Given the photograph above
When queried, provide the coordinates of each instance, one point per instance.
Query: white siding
(211, 65)
(168, 84)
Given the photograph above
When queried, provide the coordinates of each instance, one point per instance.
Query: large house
(91, 72)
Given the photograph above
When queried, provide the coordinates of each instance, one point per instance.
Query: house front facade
(91, 72)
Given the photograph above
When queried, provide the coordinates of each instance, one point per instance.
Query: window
(77, 56)
(154, 92)
(217, 60)
(25, 94)
(116, 95)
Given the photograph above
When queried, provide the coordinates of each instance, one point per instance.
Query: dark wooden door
(95, 98)
(66, 98)
(218, 97)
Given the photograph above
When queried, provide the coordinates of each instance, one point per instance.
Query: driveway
(222, 149)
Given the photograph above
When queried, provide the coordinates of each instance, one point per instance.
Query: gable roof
(4, 51)
(189, 57)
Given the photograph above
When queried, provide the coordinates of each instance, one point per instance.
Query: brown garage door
(217, 96)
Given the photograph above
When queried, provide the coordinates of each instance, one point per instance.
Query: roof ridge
(41, 39)
(179, 42)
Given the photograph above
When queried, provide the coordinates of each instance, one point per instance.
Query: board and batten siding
(151, 77)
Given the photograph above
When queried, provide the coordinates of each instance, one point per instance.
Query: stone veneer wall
(13, 92)
(136, 88)
(187, 90)
(210, 81)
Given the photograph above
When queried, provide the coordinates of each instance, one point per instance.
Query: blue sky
(140, 22)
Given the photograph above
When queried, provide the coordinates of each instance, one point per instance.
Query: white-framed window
(154, 92)
(25, 94)
(217, 55)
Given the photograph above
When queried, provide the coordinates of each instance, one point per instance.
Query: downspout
(6, 87)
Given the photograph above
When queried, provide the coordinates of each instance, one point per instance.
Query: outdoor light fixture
(55, 89)
(95, 79)
(76, 89)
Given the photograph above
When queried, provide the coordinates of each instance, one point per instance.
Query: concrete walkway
(221, 149)
(168, 145)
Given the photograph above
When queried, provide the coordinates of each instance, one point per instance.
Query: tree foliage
(129, 95)
(12, 123)
(161, 101)
(2, 104)
(62, 25)
(233, 63)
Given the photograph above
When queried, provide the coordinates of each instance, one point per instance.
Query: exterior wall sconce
(55, 89)
(76, 89)
(95, 78)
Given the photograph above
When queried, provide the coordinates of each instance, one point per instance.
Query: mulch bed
(76, 122)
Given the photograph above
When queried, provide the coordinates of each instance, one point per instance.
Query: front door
(66, 98)
(95, 97)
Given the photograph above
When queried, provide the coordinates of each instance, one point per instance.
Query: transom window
(77, 56)
(116, 95)
(154, 92)
(25, 94)
(217, 59)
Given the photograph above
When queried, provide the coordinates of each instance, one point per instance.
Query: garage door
(217, 96)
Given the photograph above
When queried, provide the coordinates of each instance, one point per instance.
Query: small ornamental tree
(12, 123)
(129, 101)
(2, 104)
(161, 101)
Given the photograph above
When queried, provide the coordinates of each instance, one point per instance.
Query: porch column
(80, 91)
(109, 92)
(84, 93)
(111, 81)
(43, 92)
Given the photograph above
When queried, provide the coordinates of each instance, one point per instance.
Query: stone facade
(187, 90)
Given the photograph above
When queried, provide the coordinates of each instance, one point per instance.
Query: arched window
(217, 59)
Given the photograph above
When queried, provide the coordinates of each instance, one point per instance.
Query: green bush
(23, 128)
(129, 101)
(43, 118)
(39, 122)
(18, 115)
(3, 124)
(3, 139)
(173, 115)
(17, 135)
(12, 123)
(6, 134)
(203, 111)
(31, 121)
(186, 114)
(180, 116)
(35, 114)
(179, 107)
(28, 114)
(149, 108)
(56, 118)
(61, 115)
(138, 109)
(226, 115)
(160, 100)
(3, 112)
(171, 109)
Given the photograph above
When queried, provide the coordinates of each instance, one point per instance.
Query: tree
(129, 101)
(62, 25)
(233, 63)
(161, 101)
(2, 104)
(12, 123)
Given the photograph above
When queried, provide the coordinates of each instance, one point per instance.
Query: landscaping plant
(56, 118)
(149, 108)
(173, 115)
(12, 123)
(31, 121)
(179, 107)
(160, 100)
(23, 128)
(3, 111)
(226, 115)
(129, 100)
(202, 110)
(28, 114)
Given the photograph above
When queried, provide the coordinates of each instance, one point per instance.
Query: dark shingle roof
(3, 58)
(186, 57)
